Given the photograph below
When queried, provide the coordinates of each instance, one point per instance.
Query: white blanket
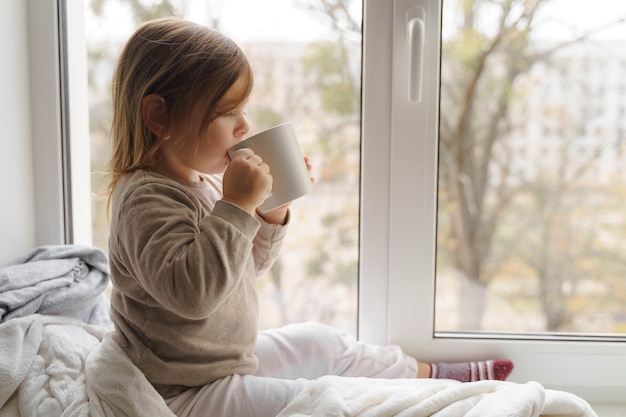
(57, 280)
(56, 366)
(332, 396)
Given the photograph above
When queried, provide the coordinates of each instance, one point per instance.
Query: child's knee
(324, 340)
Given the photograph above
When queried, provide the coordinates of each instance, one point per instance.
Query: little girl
(187, 242)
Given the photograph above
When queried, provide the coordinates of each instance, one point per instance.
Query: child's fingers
(309, 167)
(243, 153)
(249, 155)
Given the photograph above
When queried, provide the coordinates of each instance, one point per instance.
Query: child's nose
(243, 127)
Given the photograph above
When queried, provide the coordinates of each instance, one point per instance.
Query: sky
(267, 20)
(243, 20)
(561, 19)
(587, 14)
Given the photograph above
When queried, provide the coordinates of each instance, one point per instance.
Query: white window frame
(397, 202)
(46, 121)
(60, 121)
(399, 174)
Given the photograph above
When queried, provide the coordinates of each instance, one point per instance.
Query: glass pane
(306, 59)
(531, 220)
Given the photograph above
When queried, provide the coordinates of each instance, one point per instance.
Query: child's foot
(497, 369)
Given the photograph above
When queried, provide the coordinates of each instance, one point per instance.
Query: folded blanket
(58, 366)
(332, 396)
(66, 280)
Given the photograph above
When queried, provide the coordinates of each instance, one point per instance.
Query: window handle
(416, 39)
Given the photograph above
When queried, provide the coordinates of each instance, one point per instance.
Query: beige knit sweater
(183, 267)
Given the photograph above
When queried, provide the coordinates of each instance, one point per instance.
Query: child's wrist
(277, 216)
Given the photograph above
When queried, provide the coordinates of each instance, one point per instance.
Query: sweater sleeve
(187, 262)
(267, 244)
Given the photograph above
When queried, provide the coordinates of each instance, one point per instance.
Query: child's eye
(232, 113)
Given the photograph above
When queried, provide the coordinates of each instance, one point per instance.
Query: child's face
(209, 153)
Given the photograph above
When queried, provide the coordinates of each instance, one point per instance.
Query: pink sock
(498, 369)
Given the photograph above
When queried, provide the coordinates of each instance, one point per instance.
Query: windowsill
(613, 410)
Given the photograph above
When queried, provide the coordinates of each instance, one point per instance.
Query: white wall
(32, 205)
(17, 212)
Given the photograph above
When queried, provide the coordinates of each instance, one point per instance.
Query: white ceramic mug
(280, 150)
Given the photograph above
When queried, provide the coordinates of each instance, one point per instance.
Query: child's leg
(470, 371)
(286, 356)
(311, 350)
(237, 395)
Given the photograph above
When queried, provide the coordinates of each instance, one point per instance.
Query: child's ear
(153, 114)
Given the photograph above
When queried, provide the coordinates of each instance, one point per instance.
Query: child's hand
(247, 180)
(279, 215)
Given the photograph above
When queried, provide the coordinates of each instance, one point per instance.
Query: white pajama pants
(289, 358)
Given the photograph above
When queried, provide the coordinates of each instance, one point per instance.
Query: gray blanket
(61, 280)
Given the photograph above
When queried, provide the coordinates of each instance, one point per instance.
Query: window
(306, 64)
(534, 255)
(468, 236)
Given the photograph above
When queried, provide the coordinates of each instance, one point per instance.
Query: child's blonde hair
(184, 63)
